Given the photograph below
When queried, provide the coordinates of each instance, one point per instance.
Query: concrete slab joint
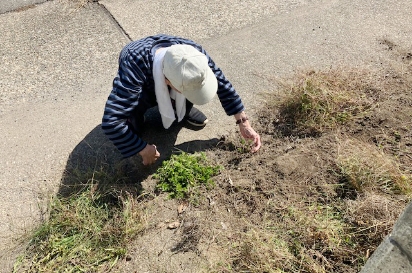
(114, 19)
(15, 5)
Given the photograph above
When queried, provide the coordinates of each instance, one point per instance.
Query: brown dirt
(289, 208)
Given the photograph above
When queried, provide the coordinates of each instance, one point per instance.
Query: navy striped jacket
(134, 85)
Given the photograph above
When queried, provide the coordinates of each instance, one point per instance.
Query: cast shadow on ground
(96, 161)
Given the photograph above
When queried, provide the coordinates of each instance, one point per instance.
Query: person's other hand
(248, 133)
(149, 154)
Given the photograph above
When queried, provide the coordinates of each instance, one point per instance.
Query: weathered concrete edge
(394, 254)
(122, 30)
(16, 5)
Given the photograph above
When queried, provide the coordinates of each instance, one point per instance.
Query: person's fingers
(249, 133)
(150, 154)
(256, 144)
(157, 154)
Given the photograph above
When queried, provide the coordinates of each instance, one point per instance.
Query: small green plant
(243, 145)
(183, 173)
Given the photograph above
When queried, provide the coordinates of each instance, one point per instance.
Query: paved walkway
(58, 61)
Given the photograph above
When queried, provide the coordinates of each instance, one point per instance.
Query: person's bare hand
(249, 133)
(149, 154)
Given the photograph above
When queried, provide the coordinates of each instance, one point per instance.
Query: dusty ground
(293, 170)
(319, 196)
(267, 210)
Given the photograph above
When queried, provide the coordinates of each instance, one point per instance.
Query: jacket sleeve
(127, 88)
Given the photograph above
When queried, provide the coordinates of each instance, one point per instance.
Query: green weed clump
(184, 173)
(83, 233)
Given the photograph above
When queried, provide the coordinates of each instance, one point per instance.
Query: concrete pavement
(58, 62)
(57, 66)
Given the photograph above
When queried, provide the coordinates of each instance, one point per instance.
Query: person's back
(173, 73)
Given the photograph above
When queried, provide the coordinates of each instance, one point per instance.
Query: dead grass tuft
(366, 168)
(372, 216)
(85, 232)
(319, 101)
(260, 250)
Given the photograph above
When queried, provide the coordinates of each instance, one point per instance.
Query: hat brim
(207, 91)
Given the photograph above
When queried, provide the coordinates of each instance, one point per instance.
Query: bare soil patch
(319, 197)
(332, 177)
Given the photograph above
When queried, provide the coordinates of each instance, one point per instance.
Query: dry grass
(318, 101)
(366, 168)
(372, 217)
(319, 196)
(87, 231)
(302, 240)
(259, 250)
(310, 228)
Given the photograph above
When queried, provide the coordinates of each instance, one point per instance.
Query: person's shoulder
(140, 44)
(138, 49)
(173, 39)
(144, 45)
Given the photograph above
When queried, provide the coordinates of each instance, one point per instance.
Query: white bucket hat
(188, 71)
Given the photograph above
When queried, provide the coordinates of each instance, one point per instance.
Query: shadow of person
(95, 162)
